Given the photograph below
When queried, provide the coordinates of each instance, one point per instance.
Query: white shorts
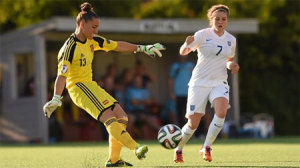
(198, 97)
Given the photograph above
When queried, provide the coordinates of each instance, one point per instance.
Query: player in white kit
(216, 49)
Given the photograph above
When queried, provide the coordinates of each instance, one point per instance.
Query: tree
(22, 13)
(269, 77)
(269, 60)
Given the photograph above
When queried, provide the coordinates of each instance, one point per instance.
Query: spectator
(141, 70)
(168, 113)
(29, 87)
(108, 84)
(111, 71)
(119, 92)
(110, 75)
(138, 100)
(126, 77)
(180, 74)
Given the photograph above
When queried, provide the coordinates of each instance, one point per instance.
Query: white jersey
(213, 51)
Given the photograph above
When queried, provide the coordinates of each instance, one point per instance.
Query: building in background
(30, 58)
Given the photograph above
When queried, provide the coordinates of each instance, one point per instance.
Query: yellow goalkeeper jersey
(75, 58)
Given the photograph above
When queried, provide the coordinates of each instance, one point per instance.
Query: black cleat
(119, 163)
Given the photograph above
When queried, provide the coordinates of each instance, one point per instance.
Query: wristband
(184, 45)
(228, 63)
(140, 48)
(56, 97)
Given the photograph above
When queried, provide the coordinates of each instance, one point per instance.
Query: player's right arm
(184, 49)
(150, 50)
(191, 43)
(123, 46)
(52, 105)
(65, 57)
(60, 84)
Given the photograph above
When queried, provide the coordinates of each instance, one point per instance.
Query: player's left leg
(220, 106)
(115, 130)
(219, 98)
(188, 131)
(102, 106)
(114, 145)
(140, 150)
(195, 109)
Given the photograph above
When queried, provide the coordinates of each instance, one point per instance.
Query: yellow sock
(119, 133)
(114, 145)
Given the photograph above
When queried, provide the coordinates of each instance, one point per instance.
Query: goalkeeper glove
(151, 50)
(51, 106)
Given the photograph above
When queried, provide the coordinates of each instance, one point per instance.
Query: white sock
(187, 133)
(214, 129)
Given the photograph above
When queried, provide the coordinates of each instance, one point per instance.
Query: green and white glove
(151, 50)
(52, 105)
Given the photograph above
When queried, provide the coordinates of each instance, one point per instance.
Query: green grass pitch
(275, 152)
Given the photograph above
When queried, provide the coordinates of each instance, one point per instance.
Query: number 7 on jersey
(219, 50)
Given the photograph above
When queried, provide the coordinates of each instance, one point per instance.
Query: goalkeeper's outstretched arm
(151, 50)
(125, 47)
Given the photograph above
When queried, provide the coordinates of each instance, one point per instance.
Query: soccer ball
(169, 136)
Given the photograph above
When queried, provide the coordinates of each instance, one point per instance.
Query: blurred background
(264, 95)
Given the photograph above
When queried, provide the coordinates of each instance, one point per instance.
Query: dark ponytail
(87, 13)
(86, 7)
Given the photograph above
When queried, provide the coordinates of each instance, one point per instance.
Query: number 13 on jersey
(82, 62)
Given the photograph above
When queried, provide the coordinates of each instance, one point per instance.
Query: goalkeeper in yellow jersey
(75, 72)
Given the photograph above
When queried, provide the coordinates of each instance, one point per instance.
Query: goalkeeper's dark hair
(218, 8)
(87, 13)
